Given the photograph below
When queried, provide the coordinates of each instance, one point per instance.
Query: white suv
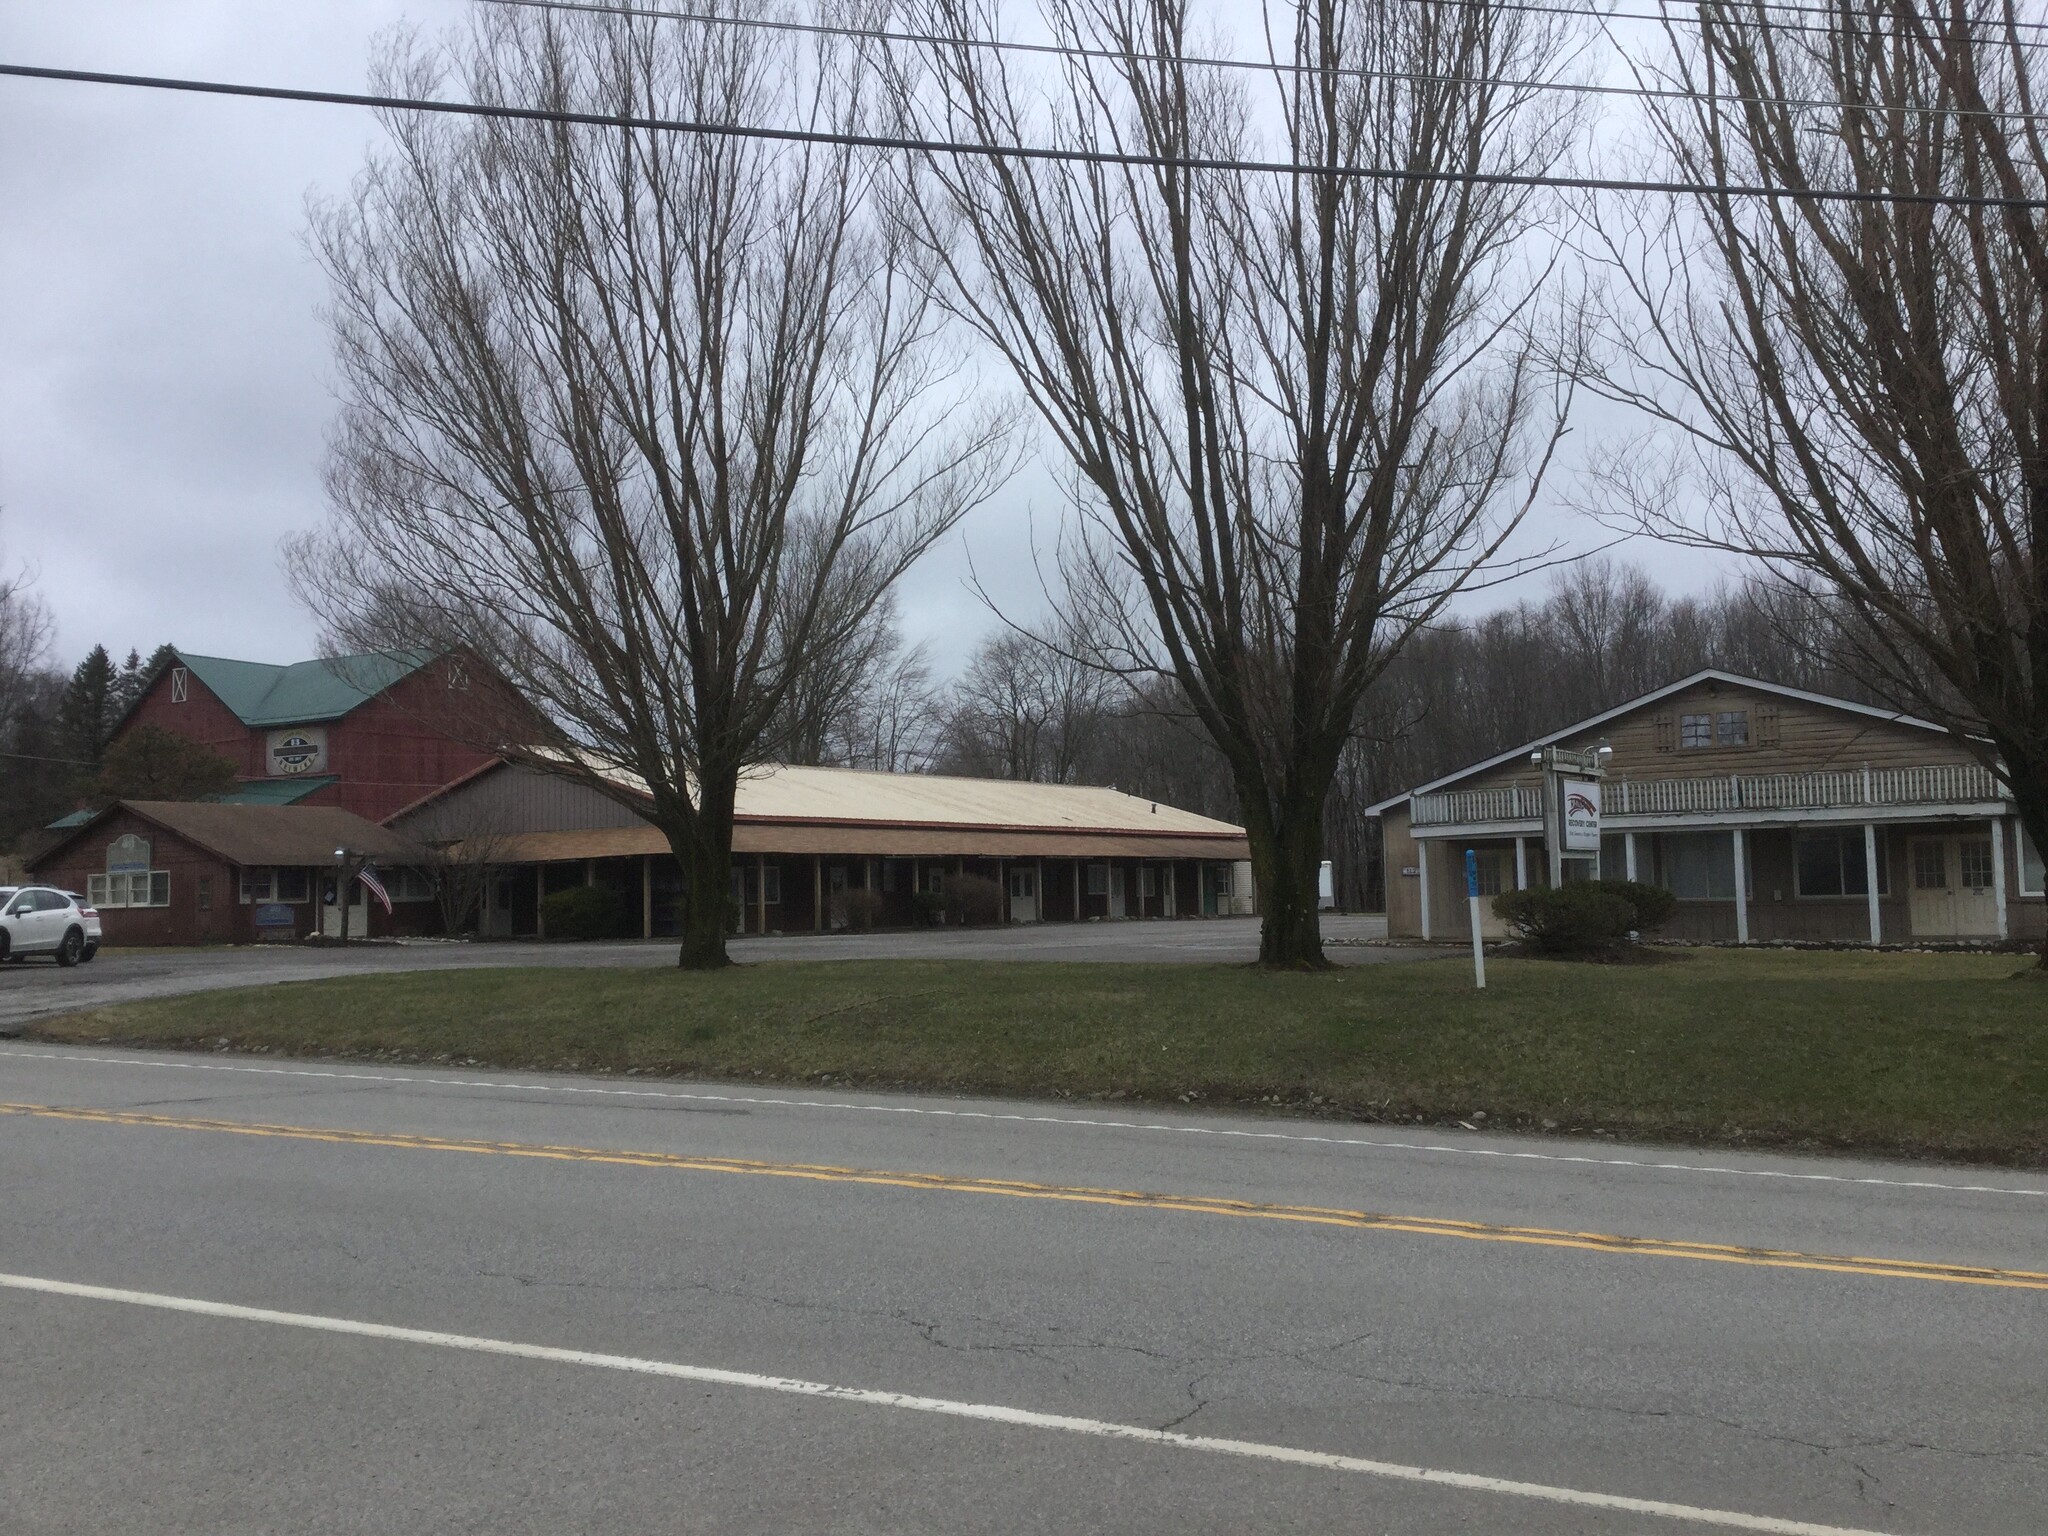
(41, 920)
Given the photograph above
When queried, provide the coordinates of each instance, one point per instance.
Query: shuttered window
(1767, 725)
(1667, 733)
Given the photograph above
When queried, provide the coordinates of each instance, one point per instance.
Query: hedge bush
(1583, 919)
(1652, 904)
(973, 900)
(860, 909)
(585, 912)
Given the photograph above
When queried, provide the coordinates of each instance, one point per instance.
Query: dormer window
(178, 684)
(1731, 728)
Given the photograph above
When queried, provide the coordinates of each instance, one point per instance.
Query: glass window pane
(1731, 728)
(1695, 730)
(1699, 866)
(2033, 877)
(96, 890)
(1976, 863)
(159, 888)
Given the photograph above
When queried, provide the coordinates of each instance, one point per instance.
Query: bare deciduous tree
(1300, 409)
(1858, 390)
(648, 421)
(1027, 708)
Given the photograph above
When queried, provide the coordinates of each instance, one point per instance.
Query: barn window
(178, 677)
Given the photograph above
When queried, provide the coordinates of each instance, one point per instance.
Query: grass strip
(1920, 1055)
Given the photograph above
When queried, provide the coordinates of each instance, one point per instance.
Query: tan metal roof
(851, 795)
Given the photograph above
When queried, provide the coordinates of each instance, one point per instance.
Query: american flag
(368, 875)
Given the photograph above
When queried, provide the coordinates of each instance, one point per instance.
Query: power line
(1211, 61)
(957, 148)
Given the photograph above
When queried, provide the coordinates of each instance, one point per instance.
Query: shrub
(1580, 919)
(1652, 904)
(973, 899)
(584, 912)
(861, 909)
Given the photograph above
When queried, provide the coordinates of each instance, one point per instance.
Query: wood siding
(1810, 737)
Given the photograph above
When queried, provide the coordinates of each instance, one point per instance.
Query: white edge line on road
(987, 1412)
(763, 1102)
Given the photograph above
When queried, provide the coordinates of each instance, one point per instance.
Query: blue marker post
(1472, 895)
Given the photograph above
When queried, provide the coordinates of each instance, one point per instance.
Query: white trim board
(1728, 821)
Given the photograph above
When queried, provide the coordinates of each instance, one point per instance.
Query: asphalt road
(39, 989)
(511, 1303)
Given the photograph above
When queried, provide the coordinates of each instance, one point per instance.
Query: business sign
(128, 855)
(1579, 810)
(275, 914)
(297, 749)
(1472, 873)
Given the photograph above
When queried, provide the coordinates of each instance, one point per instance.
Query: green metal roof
(273, 791)
(66, 823)
(262, 694)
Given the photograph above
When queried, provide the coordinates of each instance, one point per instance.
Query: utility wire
(958, 149)
(1202, 61)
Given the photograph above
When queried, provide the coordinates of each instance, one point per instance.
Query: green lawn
(1941, 1054)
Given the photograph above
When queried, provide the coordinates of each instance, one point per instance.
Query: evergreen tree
(129, 685)
(89, 708)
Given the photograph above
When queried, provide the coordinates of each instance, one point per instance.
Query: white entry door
(1116, 890)
(1953, 895)
(1024, 895)
(358, 915)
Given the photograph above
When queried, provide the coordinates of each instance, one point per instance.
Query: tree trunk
(1287, 857)
(703, 847)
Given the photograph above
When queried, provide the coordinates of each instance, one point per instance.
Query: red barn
(370, 734)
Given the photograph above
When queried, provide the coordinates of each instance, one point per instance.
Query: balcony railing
(1837, 789)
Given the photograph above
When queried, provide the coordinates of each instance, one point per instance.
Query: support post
(817, 893)
(1077, 890)
(761, 890)
(646, 895)
(1521, 863)
(1741, 888)
(1422, 883)
(1628, 854)
(1870, 882)
(590, 871)
(1998, 873)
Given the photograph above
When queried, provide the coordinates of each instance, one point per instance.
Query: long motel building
(1773, 815)
(804, 838)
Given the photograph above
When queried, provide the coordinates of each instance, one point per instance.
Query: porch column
(1077, 890)
(1741, 888)
(1521, 863)
(1422, 877)
(761, 890)
(1628, 854)
(1998, 873)
(590, 871)
(817, 893)
(1038, 891)
(646, 895)
(1870, 881)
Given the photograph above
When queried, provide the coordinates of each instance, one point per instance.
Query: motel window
(1695, 731)
(179, 686)
(1098, 879)
(1834, 864)
(408, 885)
(1731, 728)
(287, 885)
(935, 880)
(202, 892)
(1148, 881)
(889, 876)
(129, 890)
(1698, 866)
(293, 885)
(257, 885)
(2033, 878)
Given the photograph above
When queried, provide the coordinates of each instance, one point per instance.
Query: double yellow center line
(1198, 1205)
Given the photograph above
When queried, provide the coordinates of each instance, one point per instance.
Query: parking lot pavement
(37, 989)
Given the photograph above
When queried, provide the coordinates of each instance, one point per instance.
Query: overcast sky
(163, 370)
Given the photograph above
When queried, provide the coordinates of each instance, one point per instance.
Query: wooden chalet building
(806, 837)
(1773, 814)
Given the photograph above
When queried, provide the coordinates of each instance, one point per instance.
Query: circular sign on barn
(298, 750)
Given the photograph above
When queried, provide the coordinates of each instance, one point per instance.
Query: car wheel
(73, 947)
(90, 950)
(7, 948)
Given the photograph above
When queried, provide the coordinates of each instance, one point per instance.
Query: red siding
(386, 753)
(226, 921)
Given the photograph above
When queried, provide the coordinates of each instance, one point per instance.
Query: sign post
(1472, 896)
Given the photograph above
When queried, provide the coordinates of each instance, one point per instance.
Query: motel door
(1023, 895)
(1953, 895)
(1116, 890)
